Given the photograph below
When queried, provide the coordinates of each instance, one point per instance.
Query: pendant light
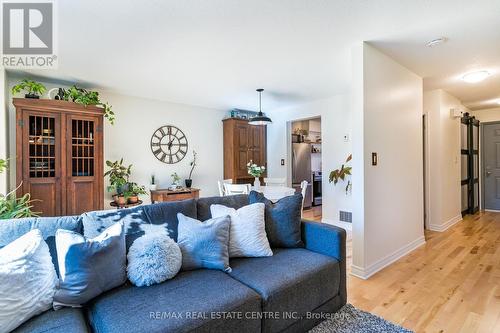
(260, 118)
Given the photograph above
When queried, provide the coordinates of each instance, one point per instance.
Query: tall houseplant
(342, 173)
(119, 175)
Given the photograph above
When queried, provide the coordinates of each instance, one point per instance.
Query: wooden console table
(174, 195)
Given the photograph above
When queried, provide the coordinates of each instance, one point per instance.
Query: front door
(491, 165)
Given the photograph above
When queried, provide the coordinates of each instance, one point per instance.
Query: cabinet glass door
(82, 148)
(42, 142)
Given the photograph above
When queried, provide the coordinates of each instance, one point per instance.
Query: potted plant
(88, 97)
(118, 179)
(12, 207)
(189, 181)
(32, 88)
(134, 190)
(342, 173)
(255, 171)
(175, 181)
(153, 185)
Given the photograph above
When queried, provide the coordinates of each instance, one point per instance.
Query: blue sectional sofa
(285, 292)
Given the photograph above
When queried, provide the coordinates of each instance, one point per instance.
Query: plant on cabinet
(32, 88)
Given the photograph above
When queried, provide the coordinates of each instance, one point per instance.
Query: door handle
(488, 173)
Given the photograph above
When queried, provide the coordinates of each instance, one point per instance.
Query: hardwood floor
(450, 284)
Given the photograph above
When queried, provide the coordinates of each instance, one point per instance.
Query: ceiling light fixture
(475, 77)
(260, 118)
(437, 41)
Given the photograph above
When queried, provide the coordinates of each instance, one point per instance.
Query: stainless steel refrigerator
(301, 169)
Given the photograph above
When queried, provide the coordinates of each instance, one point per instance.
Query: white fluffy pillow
(247, 235)
(152, 259)
(27, 280)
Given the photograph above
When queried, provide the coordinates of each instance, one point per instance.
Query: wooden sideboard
(170, 195)
(243, 142)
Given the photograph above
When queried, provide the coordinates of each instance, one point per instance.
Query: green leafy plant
(31, 87)
(192, 164)
(119, 175)
(341, 174)
(255, 170)
(3, 165)
(135, 189)
(175, 178)
(88, 97)
(12, 207)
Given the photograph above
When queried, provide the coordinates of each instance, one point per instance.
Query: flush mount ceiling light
(475, 77)
(436, 42)
(260, 118)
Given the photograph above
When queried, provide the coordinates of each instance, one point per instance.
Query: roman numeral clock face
(169, 144)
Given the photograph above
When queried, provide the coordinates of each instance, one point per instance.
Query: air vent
(345, 216)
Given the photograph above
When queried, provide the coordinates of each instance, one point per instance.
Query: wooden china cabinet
(242, 142)
(59, 155)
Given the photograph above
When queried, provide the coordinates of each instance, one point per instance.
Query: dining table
(274, 193)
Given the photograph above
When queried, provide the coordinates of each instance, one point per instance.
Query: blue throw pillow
(283, 219)
(89, 267)
(10, 230)
(204, 244)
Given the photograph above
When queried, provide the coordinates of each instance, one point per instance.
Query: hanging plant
(341, 174)
(89, 97)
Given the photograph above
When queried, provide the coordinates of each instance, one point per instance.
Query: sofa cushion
(295, 280)
(283, 219)
(159, 217)
(11, 230)
(182, 304)
(233, 201)
(61, 321)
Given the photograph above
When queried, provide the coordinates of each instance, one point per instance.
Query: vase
(188, 182)
(256, 183)
(153, 187)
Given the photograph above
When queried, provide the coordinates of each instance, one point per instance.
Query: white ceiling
(215, 53)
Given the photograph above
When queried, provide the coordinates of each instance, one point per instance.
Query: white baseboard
(364, 274)
(492, 210)
(446, 225)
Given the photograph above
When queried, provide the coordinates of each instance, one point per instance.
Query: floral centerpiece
(255, 171)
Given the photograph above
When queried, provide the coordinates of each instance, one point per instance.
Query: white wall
(3, 129)
(443, 157)
(136, 120)
(487, 115)
(388, 215)
(335, 121)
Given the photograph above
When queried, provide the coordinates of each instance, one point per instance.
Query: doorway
(305, 147)
(490, 147)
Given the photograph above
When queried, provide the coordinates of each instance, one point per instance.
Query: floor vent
(345, 216)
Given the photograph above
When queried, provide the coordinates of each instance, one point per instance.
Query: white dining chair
(303, 189)
(221, 183)
(275, 181)
(233, 189)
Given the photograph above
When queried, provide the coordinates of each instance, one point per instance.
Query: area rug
(352, 320)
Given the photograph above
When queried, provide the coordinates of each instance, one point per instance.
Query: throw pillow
(89, 267)
(204, 244)
(27, 280)
(152, 259)
(247, 237)
(283, 219)
(12, 229)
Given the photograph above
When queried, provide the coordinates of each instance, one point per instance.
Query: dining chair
(221, 183)
(275, 181)
(233, 189)
(303, 189)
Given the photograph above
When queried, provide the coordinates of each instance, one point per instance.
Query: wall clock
(169, 144)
